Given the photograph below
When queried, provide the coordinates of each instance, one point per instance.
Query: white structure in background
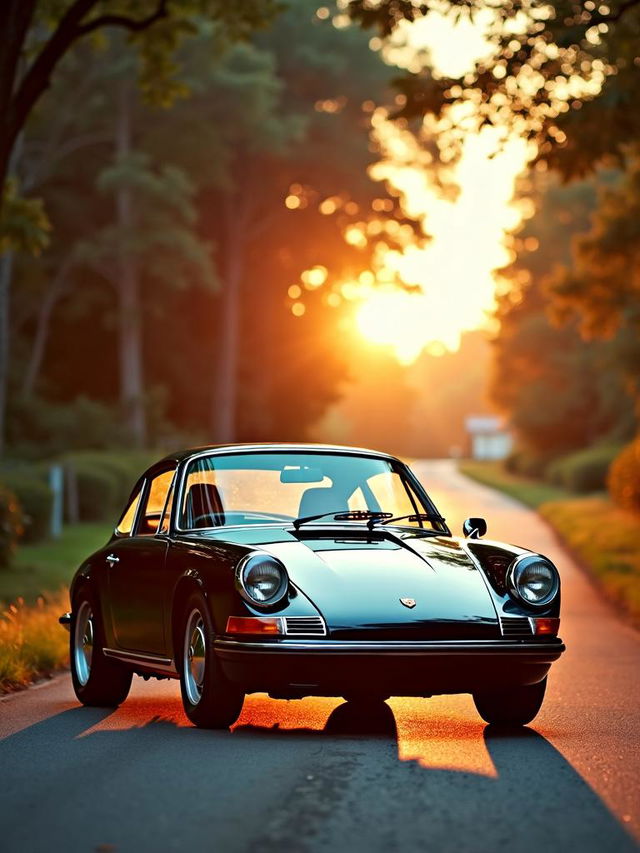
(489, 437)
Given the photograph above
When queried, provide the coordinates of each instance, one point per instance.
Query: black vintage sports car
(302, 570)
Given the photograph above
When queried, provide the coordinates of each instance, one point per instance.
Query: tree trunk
(6, 269)
(43, 323)
(15, 18)
(225, 403)
(128, 292)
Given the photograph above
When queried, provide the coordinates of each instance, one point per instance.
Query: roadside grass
(46, 566)
(33, 594)
(32, 643)
(603, 538)
(527, 491)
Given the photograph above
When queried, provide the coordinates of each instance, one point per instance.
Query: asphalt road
(310, 775)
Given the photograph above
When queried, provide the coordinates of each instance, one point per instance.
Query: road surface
(418, 774)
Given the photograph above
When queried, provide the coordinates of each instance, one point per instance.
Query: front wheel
(209, 699)
(96, 680)
(515, 706)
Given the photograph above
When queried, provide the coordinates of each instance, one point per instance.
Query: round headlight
(261, 579)
(534, 580)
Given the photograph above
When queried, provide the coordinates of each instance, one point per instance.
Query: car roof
(181, 455)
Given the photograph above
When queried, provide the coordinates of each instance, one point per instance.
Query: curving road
(418, 774)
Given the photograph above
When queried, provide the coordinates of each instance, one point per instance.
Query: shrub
(10, 525)
(584, 471)
(35, 498)
(38, 429)
(31, 641)
(527, 463)
(96, 490)
(624, 477)
(122, 468)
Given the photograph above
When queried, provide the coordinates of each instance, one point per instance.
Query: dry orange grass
(32, 642)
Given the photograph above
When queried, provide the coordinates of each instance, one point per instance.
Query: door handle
(112, 559)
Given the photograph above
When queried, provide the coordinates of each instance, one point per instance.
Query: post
(56, 484)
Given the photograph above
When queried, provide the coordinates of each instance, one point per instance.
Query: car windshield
(258, 488)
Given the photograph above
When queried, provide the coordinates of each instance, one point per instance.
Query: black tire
(516, 706)
(97, 680)
(210, 701)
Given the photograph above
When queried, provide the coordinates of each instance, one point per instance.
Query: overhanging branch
(131, 24)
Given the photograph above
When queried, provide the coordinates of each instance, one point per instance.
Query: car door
(137, 571)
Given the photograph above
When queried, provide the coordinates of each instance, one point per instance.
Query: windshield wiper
(347, 515)
(415, 516)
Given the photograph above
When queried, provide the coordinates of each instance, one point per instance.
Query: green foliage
(35, 498)
(528, 463)
(624, 477)
(601, 288)
(39, 429)
(560, 392)
(44, 567)
(24, 225)
(605, 539)
(11, 529)
(585, 471)
(521, 86)
(530, 492)
(96, 490)
(122, 468)
(207, 182)
(164, 240)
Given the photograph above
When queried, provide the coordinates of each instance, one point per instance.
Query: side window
(154, 504)
(128, 517)
(166, 515)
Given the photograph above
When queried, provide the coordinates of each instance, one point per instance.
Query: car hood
(358, 584)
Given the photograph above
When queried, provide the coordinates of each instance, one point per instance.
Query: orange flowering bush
(624, 477)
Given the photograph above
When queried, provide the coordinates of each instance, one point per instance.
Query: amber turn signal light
(255, 625)
(546, 625)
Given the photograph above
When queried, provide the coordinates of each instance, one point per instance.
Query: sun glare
(452, 276)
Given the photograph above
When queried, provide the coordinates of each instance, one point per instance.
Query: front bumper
(330, 668)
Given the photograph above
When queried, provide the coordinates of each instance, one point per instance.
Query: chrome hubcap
(83, 643)
(195, 647)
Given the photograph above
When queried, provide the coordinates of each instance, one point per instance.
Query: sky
(454, 270)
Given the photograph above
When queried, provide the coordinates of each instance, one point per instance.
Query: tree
(535, 360)
(39, 34)
(297, 134)
(157, 28)
(272, 147)
(603, 285)
(563, 74)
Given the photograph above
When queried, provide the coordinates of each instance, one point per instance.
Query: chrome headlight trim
(513, 580)
(245, 564)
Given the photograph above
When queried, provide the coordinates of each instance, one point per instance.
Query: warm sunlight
(452, 277)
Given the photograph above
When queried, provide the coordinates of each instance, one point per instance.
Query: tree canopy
(562, 74)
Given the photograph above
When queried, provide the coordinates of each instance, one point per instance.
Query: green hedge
(584, 471)
(104, 480)
(28, 482)
(528, 463)
(624, 477)
(11, 516)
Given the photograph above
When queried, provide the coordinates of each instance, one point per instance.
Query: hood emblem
(408, 602)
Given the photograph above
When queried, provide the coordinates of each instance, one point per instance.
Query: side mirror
(474, 528)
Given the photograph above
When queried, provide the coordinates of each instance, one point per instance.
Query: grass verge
(32, 643)
(34, 594)
(603, 537)
(46, 566)
(527, 491)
